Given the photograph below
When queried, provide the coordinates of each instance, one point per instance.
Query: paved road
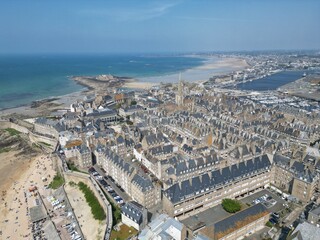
(122, 194)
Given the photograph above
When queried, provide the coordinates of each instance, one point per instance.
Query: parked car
(273, 221)
(276, 215)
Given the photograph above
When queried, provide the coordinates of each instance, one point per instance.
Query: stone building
(200, 193)
(134, 215)
(136, 184)
(48, 127)
(180, 93)
(294, 178)
(84, 156)
(238, 225)
(144, 191)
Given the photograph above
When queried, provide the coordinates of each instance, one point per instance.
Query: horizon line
(160, 52)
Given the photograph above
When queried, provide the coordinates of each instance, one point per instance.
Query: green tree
(231, 205)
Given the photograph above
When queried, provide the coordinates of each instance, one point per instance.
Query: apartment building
(121, 171)
(136, 184)
(134, 215)
(48, 127)
(304, 187)
(144, 191)
(241, 224)
(200, 193)
(84, 157)
(282, 178)
(294, 178)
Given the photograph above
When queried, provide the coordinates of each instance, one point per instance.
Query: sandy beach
(232, 63)
(139, 85)
(212, 66)
(16, 199)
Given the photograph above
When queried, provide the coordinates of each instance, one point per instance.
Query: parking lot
(274, 203)
(116, 193)
(63, 215)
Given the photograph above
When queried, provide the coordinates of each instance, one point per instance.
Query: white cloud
(139, 13)
(213, 19)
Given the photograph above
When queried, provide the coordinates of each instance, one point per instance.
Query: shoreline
(46, 107)
(213, 65)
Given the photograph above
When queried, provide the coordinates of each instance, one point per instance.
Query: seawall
(26, 128)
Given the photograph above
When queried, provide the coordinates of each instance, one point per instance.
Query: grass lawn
(124, 233)
(96, 209)
(12, 131)
(57, 181)
(46, 144)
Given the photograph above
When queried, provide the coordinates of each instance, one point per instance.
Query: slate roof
(316, 211)
(134, 211)
(231, 221)
(71, 116)
(129, 142)
(143, 183)
(305, 230)
(179, 192)
(125, 166)
(281, 160)
(59, 126)
(298, 167)
(100, 134)
(107, 98)
(152, 139)
(102, 113)
(306, 175)
(84, 149)
(161, 150)
(120, 140)
(133, 108)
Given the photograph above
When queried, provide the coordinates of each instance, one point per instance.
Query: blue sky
(67, 26)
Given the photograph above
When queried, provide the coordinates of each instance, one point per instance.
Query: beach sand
(14, 222)
(139, 85)
(213, 66)
(232, 63)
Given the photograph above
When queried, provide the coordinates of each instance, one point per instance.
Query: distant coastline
(212, 66)
(29, 78)
(95, 83)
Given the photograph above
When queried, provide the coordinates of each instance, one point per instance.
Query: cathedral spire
(180, 94)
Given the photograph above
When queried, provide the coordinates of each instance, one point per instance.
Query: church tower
(180, 93)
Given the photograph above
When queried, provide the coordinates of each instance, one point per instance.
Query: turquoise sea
(26, 78)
